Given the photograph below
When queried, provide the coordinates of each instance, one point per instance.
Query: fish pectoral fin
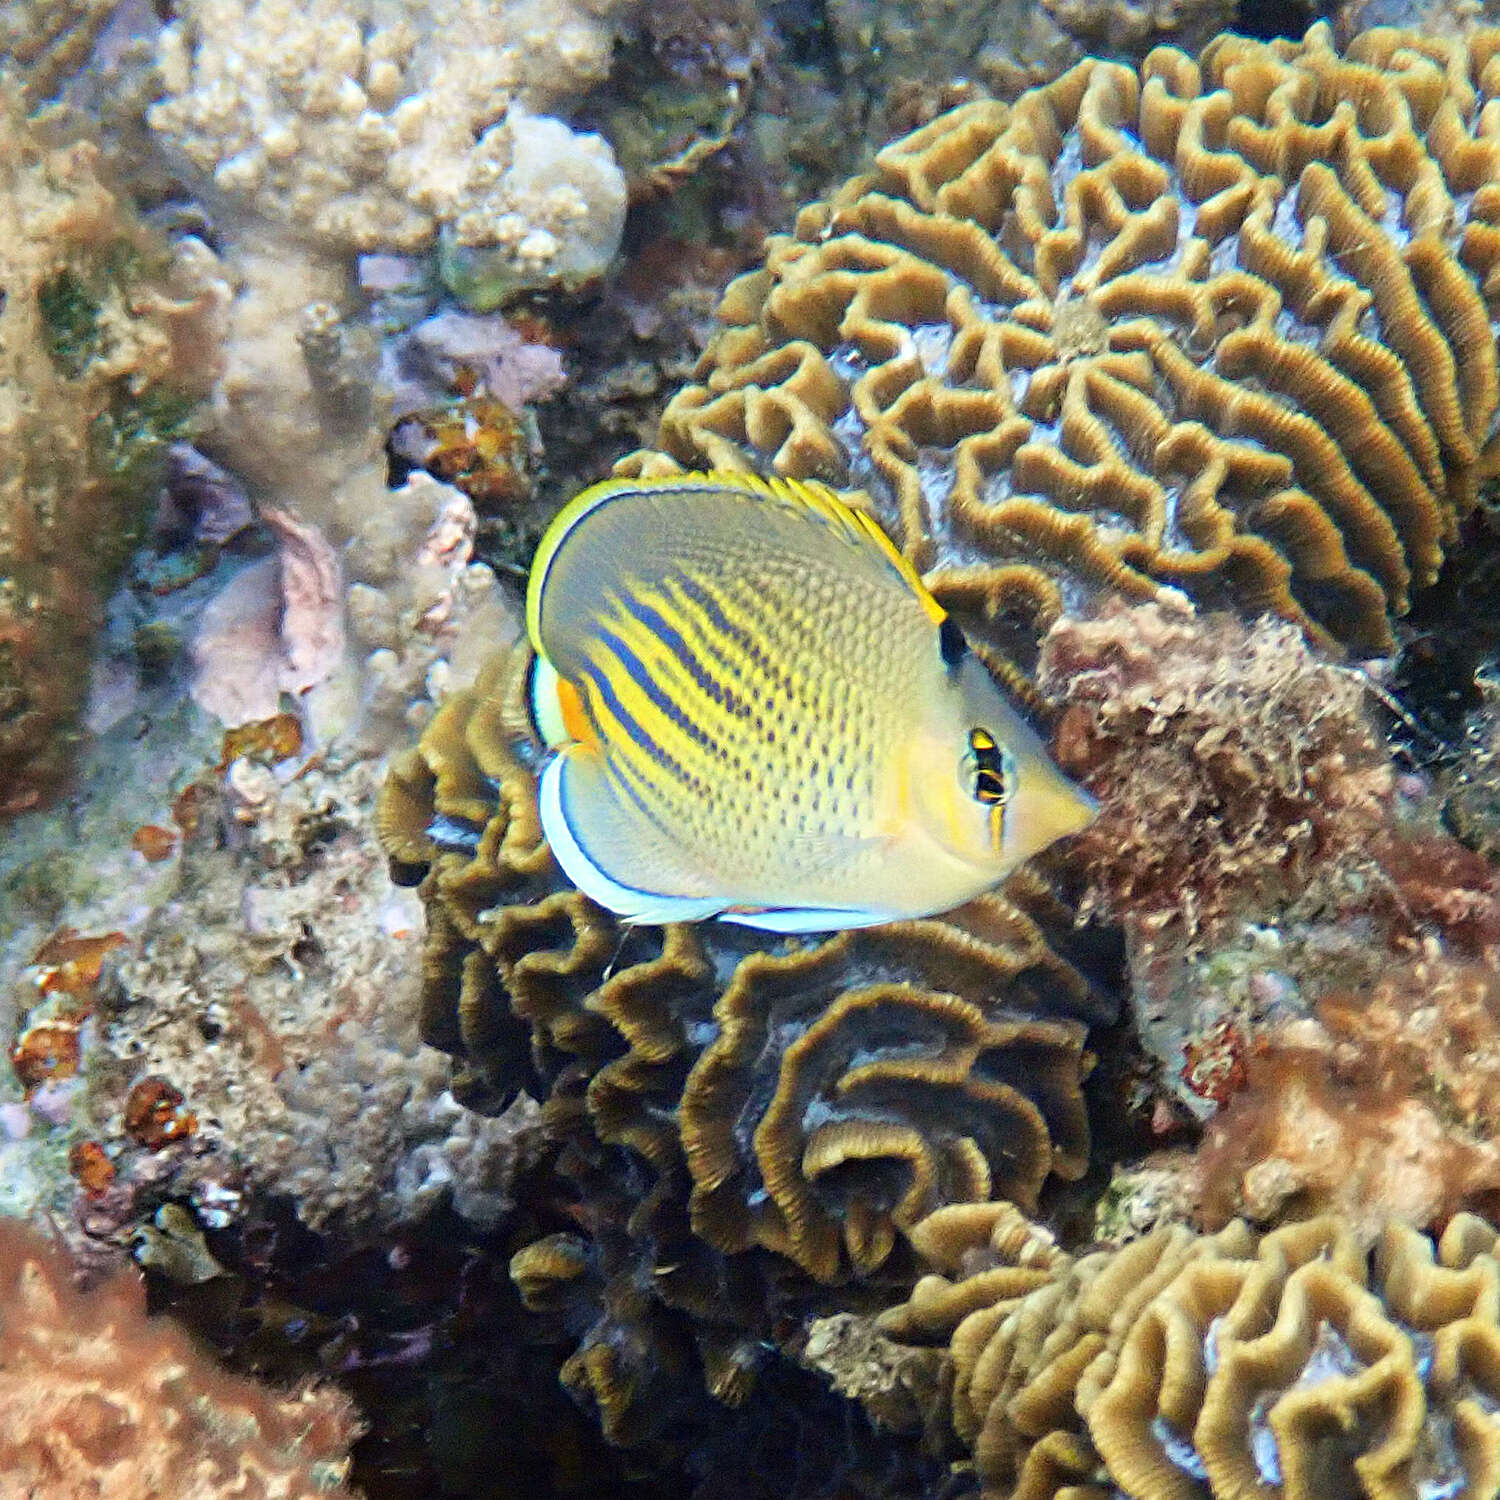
(824, 853)
(596, 839)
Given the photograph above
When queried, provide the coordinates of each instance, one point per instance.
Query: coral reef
(431, 361)
(276, 418)
(779, 1105)
(888, 47)
(1385, 1106)
(1216, 323)
(106, 341)
(1232, 763)
(1296, 1364)
(1260, 848)
(97, 1399)
(364, 130)
(277, 627)
(1472, 783)
(43, 41)
(282, 1016)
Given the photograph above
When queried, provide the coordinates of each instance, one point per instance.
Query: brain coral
(1188, 1367)
(1224, 323)
(785, 1106)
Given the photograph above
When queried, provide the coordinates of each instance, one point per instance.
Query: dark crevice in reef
(1267, 19)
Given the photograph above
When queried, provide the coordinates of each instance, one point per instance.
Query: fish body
(759, 712)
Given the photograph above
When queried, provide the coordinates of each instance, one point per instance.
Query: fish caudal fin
(587, 827)
(557, 713)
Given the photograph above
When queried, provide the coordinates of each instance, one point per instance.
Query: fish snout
(1046, 806)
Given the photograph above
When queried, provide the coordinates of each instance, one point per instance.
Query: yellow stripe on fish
(759, 712)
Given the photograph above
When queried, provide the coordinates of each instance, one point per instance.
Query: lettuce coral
(1224, 322)
(774, 1112)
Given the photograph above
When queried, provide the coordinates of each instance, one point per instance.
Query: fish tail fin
(555, 707)
(595, 837)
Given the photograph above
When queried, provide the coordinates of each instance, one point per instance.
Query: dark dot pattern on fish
(758, 712)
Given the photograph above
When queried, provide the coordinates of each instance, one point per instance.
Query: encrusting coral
(98, 1399)
(1224, 323)
(1386, 1105)
(1191, 1367)
(783, 1105)
(361, 129)
(104, 344)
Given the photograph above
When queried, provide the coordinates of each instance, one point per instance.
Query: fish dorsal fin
(859, 526)
(806, 496)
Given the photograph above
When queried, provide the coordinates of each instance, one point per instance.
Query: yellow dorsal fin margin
(856, 525)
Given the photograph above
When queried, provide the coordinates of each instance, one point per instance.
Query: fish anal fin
(806, 919)
(594, 838)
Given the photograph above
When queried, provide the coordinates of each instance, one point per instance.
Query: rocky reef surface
(1168, 1169)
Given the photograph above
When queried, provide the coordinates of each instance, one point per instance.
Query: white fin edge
(633, 907)
(808, 919)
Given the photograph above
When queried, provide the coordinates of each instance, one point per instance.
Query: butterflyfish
(756, 711)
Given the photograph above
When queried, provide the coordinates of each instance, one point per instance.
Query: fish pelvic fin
(586, 826)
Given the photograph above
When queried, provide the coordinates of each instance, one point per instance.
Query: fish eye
(951, 642)
(989, 768)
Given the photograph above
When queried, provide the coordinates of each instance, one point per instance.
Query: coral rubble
(782, 1104)
(1296, 1364)
(98, 1399)
(1225, 323)
(104, 344)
